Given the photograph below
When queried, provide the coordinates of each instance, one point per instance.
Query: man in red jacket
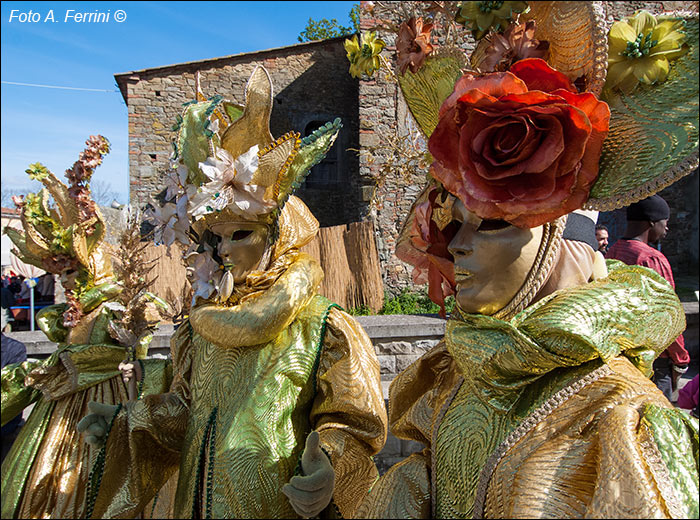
(647, 223)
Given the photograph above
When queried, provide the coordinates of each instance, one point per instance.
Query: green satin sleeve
(76, 367)
(673, 457)
(157, 376)
(50, 321)
(99, 294)
(16, 396)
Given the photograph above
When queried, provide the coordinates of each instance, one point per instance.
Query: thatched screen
(349, 258)
(347, 254)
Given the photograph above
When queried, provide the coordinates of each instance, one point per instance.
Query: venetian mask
(68, 278)
(492, 260)
(241, 246)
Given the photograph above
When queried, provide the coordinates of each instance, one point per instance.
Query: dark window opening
(157, 93)
(153, 156)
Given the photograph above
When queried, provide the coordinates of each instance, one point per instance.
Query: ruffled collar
(633, 312)
(261, 316)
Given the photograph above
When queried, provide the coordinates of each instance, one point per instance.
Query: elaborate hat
(531, 131)
(70, 234)
(228, 168)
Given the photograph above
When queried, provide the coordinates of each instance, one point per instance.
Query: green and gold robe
(251, 381)
(45, 474)
(548, 415)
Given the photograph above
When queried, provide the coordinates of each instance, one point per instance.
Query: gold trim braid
(524, 427)
(652, 456)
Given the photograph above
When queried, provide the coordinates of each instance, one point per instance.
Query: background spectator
(7, 301)
(688, 395)
(647, 223)
(601, 235)
(13, 351)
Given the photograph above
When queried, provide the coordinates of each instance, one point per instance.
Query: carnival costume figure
(276, 407)
(45, 475)
(538, 403)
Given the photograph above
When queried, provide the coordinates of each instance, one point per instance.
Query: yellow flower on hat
(640, 48)
(364, 56)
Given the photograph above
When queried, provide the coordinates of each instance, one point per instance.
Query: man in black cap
(647, 223)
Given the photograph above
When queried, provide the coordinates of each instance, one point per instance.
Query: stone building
(311, 86)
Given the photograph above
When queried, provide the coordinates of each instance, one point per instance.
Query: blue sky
(50, 125)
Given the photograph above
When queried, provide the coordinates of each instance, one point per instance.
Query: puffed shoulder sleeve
(416, 397)
(348, 410)
(616, 448)
(418, 393)
(666, 474)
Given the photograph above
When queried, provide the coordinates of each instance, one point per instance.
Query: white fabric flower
(171, 222)
(175, 182)
(228, 186)
(203, 273)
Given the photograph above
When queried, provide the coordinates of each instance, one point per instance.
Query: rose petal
(535, 186)
(550, 143)
(444, 141)
(505, 142)
(495, 85)
(538, 75)
(598, 112)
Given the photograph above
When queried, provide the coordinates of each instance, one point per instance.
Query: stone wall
(311, 86)
(383, 112)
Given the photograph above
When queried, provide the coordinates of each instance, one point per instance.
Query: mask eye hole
(492, 225)
(241, 234)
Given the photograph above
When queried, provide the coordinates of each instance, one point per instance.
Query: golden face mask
(241, 246)
(492, 260)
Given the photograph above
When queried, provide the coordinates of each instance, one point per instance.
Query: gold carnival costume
(45, 474)
(263, 359)
(537, 403)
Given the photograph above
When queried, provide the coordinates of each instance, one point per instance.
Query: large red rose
(522, 146)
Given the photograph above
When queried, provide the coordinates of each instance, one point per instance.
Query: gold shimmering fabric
(403, 492)
(525, 418)
(348, 409)
(416, 398)
(236, 418)
(601, 461)
(261, 317)
(45, 473)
